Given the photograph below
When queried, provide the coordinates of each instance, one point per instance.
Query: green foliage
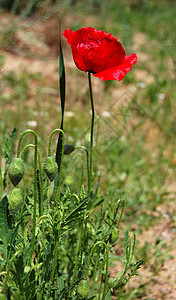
(4, 225)
(71, 244)
(83, 289)
(62, 96)
(18, 6)
(7, 149)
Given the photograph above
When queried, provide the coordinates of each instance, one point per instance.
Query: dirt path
(157, 277)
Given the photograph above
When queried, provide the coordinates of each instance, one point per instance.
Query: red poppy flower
(100, 53)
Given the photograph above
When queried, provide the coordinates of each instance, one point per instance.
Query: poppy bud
(83, 289)
(15, 200)
(114, 235)
(50, 168)
(68, 149)
(16, 170)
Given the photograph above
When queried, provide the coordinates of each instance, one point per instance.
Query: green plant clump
(55, 242)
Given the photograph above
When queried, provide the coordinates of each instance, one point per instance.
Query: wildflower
(99, 53)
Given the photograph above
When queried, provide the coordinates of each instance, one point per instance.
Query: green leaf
(133, 272)
(62, 96)
(12, 242)
(2, 250)
(19, 241)
(126, 244)
(75, 213)
(9, 147)
(61, 283)
(2, 262)
(61, 75)
(5, 232)
(19, 266)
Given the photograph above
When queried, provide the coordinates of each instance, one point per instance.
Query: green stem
(121, 214)
(49, 154)
(40, 170)
(50, 139)
(101, 283)
(24, 187)
(97, 133)
(76, 196)
(2, 184)
(128, 261)
(78, 252)
(41, 218)
(95, 272)
(8, 269)
(91, 138)
(35, 184)
(55, 261)
(107, 264)
(56, 193)
(87, 155)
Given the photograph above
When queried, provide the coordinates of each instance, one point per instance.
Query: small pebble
(31, 123)
(161, 96)
(165, 216)
(69, 114)
(142, 85)
(106, 114)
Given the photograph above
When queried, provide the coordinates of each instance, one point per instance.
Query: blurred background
(135, 155)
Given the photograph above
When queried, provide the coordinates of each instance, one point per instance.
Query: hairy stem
(91, 137)
(87, 155)
(35, 184)
(58, 183)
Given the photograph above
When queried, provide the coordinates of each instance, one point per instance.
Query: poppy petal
(94, 50)
(70, 36)
(118, 72)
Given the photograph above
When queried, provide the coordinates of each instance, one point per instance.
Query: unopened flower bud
(68, 149)
(15, 200)
(50, 168)
(83, 289)
(16, 170)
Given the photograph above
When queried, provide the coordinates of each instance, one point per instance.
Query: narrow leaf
(4, 226)
(61, 75)
(62, 96)
(2, 250)
(12, 241)
(73, 215)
